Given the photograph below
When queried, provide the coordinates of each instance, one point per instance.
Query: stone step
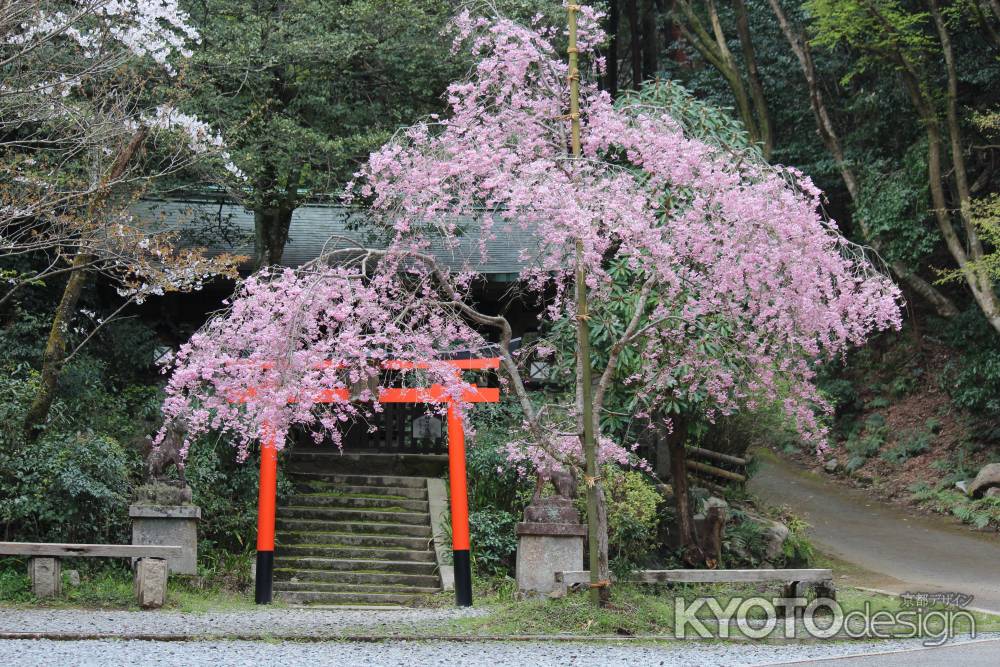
(358, 502)
(355, 565)
(284, 523)
(354, 515)
(315, 597)
(358, 578)
(299, 551)
(325, 539)
(352, 588)
(357, 480)
(356, 462)
(318, 486)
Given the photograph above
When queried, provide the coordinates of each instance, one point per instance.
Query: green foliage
(973, 379)
(876, 28)
(67, 487)
(797, 549)
(982, 513)
(911, 443)
(895, 204)
(492, 481)
(226, 490)
(497, 495)
(865, 444)
(633, 518)
(493, 539)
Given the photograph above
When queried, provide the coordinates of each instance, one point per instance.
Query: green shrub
(863, 446)
(911, 443)
(497, 495)
(493, 484)
(226, 491)
(633, 516)
(494, 542)
(973, 380)
(67, 487)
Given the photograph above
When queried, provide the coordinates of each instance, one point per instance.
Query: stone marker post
(46, 577)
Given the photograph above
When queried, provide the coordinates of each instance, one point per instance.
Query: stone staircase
(349, 538)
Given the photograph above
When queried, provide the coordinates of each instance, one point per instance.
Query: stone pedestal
(169, 525)
(46, 577)
(544, 549)
(151, 582)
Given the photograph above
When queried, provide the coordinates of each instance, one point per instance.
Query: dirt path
(883, 546)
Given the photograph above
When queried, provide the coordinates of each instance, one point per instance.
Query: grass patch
(637, 611)
(109, 585)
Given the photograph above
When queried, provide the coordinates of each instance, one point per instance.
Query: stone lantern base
(169, 525)
(544, 549)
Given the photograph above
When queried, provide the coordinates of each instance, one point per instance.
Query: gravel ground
(265, 622)
(18, 653)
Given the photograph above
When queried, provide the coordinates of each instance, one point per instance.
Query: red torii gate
(436, 393)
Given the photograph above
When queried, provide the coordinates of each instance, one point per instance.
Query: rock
(713, 501)
(554, 509)
(992, 492)
(151, 583)
(73, 576)
(988, 478)
(162, 493)
(698, 494)
(831, 465)
(775, 534)
(962, 485)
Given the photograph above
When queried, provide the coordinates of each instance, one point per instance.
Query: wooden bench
(794, 581)
(46, 572)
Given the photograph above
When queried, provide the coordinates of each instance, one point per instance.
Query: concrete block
(151, 582)
(169, 525)
(46, 577)
(544, 549)
(437, 495)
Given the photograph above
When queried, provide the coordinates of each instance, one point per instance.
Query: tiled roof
(227, 227)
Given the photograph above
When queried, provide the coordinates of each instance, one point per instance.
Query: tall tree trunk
(713, 48)
(650, 40)
(597, 524)
(271, 226)
(54, 355)
(635, 42)
(753, 75)
(979, 283)
(613, 26)
(690, 549)
(831, 139)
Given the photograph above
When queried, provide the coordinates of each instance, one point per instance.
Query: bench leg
(826, 589)
(151, 582)
(792, 589)
(46, 577)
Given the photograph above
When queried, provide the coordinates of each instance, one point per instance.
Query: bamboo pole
(717, 456)
(715, 472)
(583, 330)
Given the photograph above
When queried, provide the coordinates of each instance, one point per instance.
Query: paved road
(893, 550)
(973, 654)
(45, 653)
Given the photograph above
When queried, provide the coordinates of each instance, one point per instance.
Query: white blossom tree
(86, 124)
